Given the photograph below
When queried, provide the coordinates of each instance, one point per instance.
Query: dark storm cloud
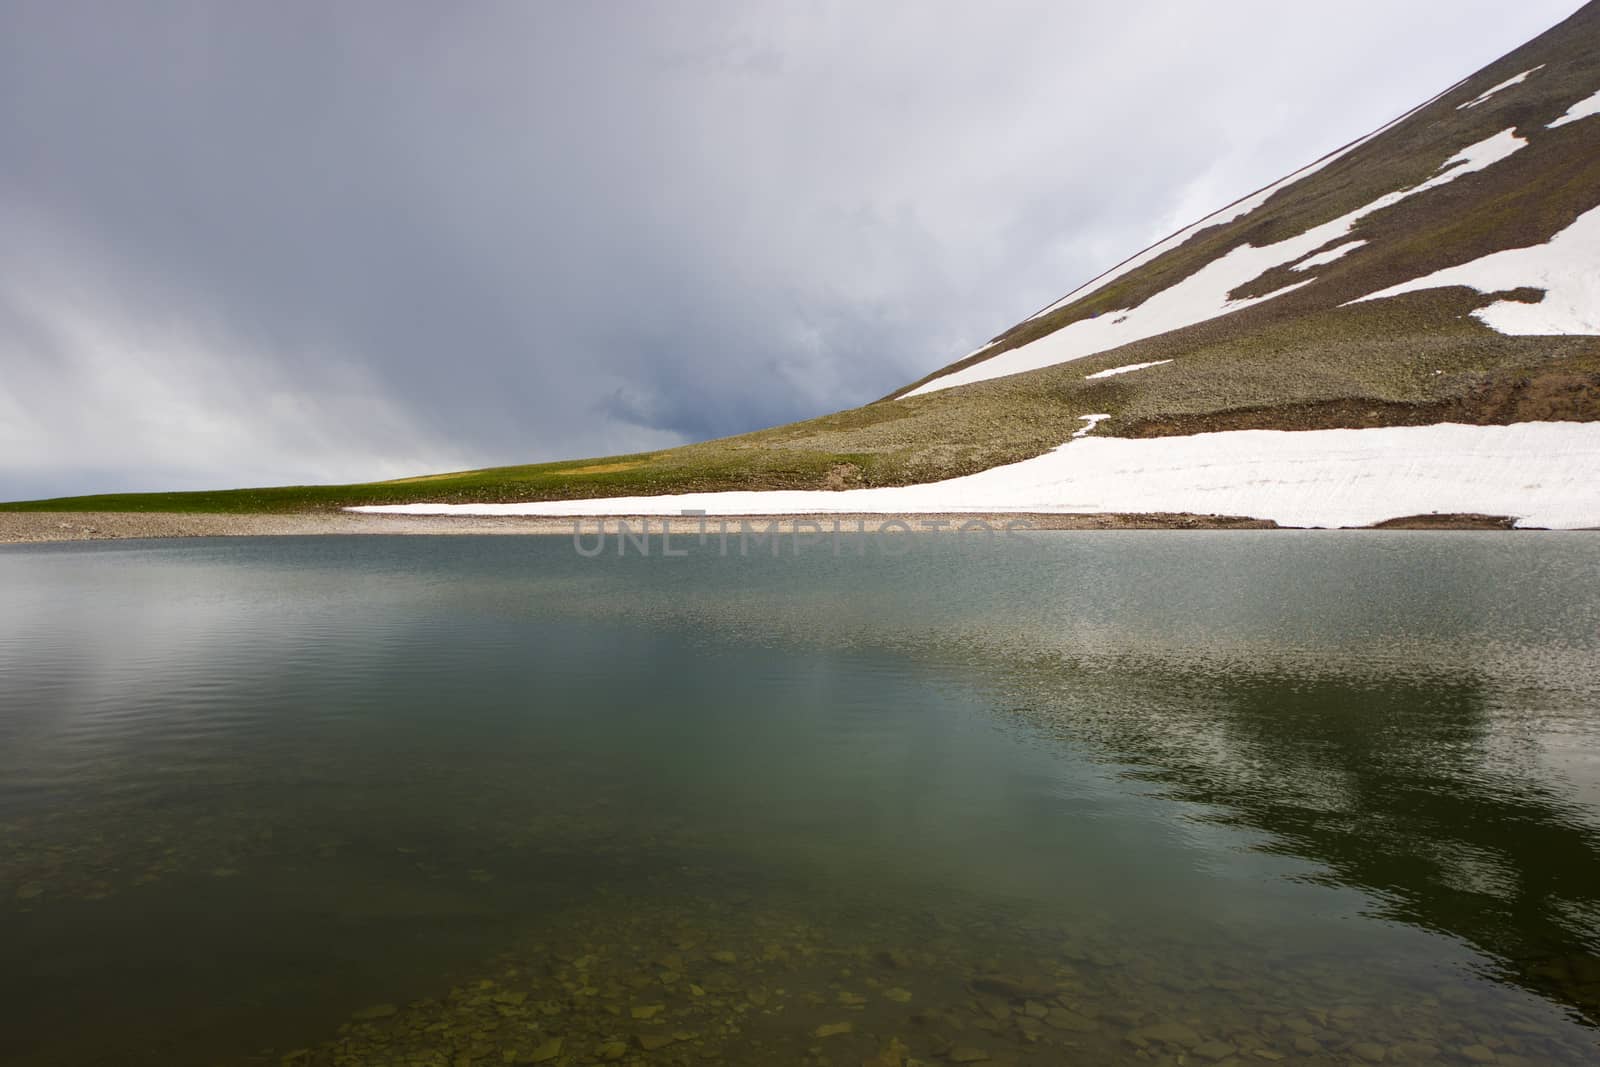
(277, 242)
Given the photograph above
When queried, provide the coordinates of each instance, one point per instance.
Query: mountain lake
(1236, 797)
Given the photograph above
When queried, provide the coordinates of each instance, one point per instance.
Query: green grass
(648, 473)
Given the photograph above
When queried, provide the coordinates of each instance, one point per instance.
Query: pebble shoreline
(41, 527)
(32, 527)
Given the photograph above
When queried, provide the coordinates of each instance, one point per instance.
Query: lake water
(1099, 798)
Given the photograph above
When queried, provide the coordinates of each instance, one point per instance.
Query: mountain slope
(1478, 170)
(1260, 317)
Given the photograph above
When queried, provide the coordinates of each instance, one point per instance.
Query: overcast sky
(258, 243)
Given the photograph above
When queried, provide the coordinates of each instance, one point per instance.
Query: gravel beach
(21, 527)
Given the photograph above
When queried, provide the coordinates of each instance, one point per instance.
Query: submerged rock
(377, 1011)
(1370, 1051)
(1062, 1019)
(1214, 1050)
(995, 1008)
(1171, 1033)
(893, 1055)
(547, 1051)
(1013, 987)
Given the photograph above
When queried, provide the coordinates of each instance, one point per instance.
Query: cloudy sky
(258, 243)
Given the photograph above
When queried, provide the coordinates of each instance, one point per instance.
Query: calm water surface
(1152, 798)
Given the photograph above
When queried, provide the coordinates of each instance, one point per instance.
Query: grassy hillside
(1299, 361)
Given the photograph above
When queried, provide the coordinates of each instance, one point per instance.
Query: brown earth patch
(844, 476)
(1462, 521)
(601, 468)
(1554, 395)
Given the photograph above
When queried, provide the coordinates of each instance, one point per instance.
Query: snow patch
(1543, 473)
(1204, 295)
(1322, 259)
(1589, 105)
(1091, 422)
(1567, 268)
(1124, 370)
(1486, 153)
(1508, 83)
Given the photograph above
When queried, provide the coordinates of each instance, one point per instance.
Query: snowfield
(1546, 474)
(1204, 295)
(1567, 268)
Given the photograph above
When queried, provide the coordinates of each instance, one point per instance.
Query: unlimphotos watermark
(666, 537)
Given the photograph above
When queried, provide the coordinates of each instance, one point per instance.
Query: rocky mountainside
(1445, 267)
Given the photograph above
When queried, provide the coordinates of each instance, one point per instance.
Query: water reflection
(1418, 787)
